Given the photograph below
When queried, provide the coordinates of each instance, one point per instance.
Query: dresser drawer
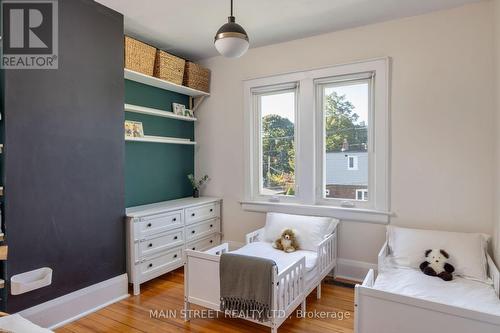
(153, 224)
(160, 262)
(199, 230)
(200, 213)
(204, 243)
(160, 242)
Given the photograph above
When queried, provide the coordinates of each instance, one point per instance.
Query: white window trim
(257, 163)
(305, 200)
(364, 194)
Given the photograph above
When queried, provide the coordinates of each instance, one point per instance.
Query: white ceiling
(187, 27)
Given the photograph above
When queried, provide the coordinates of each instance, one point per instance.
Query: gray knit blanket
(245, 286)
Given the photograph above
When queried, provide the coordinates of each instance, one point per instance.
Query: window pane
(277, 150)
(345, 109)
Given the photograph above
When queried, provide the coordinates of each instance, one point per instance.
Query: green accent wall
(157, 172)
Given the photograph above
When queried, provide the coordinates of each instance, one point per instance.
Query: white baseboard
(65, 309)
(352, 269)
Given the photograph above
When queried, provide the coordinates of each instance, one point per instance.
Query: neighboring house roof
(338, 173)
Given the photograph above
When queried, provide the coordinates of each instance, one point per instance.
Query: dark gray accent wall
(64, 158)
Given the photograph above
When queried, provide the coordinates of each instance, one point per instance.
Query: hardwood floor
(167, 292)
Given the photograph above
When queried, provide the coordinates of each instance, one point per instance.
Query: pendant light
(231, 40)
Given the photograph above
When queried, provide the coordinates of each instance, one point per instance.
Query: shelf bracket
(196, 102)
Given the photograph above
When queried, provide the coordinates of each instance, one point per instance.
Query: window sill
(350, 214)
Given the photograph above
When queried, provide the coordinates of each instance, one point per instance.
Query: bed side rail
(494, 274)
(254, 236)
(327, 254)
(290, 285)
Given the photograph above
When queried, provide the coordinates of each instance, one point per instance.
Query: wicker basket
(169, 67)
(197, 77)
(139, 56)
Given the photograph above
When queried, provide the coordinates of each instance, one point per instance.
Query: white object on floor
(293, 282)
(16, 323)
(28, 281)
(158, 234)
(473, 295)
(396, 311)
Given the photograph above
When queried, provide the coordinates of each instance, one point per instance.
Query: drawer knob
(175, 255)
(150, 245)
(211, 241)
(194, 248)
(149, 225)
(211, 209)
(192, 231)
(211, 225)
(192, 214)
(174, 219)
(150, 265)
(175, 237)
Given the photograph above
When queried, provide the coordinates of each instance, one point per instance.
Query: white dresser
(157, 235)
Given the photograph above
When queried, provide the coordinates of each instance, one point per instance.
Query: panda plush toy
(436, 264)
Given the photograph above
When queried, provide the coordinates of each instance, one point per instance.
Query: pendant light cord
(231, 7)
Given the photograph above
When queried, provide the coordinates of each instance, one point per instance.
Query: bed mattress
(460, 292)
(282, 259)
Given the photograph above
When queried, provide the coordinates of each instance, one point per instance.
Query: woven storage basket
(169, 67)
(139, 56)
(197, 77)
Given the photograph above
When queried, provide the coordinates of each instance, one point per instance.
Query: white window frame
(257, 161)
(364, 194)
(354, 162)
(309, 168)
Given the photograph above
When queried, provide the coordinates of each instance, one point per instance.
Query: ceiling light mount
(231, 40)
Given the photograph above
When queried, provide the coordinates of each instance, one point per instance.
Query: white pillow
(467, 250)
(310, 230)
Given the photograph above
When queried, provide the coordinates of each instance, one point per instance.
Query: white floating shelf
(162, 139)
(156, 112)
(162, 84)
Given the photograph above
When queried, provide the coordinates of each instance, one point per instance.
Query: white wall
(442, 121)
(497, 94)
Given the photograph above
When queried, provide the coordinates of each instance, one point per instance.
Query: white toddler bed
(402, 299)
(296, 273)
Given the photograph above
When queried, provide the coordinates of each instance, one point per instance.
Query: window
(352, 163)
(345, 107)
(276, 111)
(311, 139)
(362, 195)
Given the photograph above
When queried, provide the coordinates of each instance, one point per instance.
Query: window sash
(257, 94)
(320, 86)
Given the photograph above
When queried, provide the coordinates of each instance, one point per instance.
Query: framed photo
(133, 129)
(178, 109)
(188, 113)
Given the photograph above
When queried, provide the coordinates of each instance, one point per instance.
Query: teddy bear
(436, 265)
(287, 242)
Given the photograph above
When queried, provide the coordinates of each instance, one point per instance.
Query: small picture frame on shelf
(178, 109)
(189, 113)
(133, 129)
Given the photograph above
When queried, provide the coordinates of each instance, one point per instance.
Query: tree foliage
(278, 150)
(342, 125)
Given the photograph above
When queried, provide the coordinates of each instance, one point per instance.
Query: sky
(283, 104)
